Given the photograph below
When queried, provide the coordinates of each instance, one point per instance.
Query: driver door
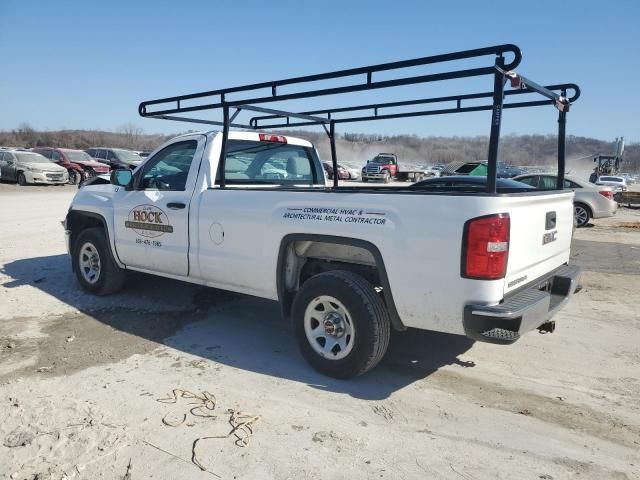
(152, 214)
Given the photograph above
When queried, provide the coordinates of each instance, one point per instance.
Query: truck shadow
(231, 329)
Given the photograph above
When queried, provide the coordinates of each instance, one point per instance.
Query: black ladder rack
(267, 92)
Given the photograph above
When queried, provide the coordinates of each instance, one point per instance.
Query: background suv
(115, 157)
(79, 165)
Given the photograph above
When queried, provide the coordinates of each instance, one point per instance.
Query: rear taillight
(267, 137)
(606, 194)
(485, 247)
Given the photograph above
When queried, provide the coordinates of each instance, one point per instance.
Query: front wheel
(341, 324)
(581, 214)
(74, 177)
(93, 263)
(387, 177)
(22, 180)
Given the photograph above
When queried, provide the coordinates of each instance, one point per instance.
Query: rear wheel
(93, 263)
(582, 214)
(341, 324)
(22, 180)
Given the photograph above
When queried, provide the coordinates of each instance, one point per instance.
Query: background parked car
(354, 173)
(115, 157)
(469, 183)
(30, 167)
(328, 169)
(590, 201)
(619, 183)
(79, 165)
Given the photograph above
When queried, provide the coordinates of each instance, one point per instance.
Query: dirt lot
(80, 377)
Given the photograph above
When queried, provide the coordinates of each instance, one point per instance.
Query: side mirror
(121, 177)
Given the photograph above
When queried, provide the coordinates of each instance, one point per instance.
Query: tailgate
(540, 238)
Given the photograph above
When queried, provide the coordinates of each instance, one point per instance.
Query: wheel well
(79, 221)
(303, 256)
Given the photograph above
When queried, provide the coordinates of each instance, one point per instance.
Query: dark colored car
(342, 173)
(79, 165)
(464, 183)
(115, 157)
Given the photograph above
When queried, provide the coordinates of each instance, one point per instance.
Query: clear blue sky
(83, 64)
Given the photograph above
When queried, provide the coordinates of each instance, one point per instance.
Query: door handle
(175, 206)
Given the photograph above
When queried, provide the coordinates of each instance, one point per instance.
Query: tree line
(356, 148)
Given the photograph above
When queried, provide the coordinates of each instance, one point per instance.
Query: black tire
(581, 214)
(387, 177)
(368, 314)
(365, 180)
(110, 278)
(22, 180)
(74, 177)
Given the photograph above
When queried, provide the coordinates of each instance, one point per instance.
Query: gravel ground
(81, 376)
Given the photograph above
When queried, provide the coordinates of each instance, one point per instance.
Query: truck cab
(383, 166)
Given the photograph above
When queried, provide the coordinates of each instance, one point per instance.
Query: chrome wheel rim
(329, 328)
(89, 263)
(581, 215)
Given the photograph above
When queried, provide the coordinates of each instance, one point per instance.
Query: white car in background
(30, 168)
(619, 183)
(590, 201)
(354, 173)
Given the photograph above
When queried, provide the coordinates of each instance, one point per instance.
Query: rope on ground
(241, 422)
(205, 403)
(241, 427)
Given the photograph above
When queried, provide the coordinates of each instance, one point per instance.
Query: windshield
(128, 156)
(385, 160)
(31, 157)
(77, 156)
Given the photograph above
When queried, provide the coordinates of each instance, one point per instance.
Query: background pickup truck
(487, 266)
(385, 167)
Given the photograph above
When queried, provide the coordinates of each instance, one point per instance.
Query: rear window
(611, 179)
(269, 163)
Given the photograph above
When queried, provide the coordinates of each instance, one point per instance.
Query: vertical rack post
(562, 135)
(334, 158)
(223, 147)
(496, 120)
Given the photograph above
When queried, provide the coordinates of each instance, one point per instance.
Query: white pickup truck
(250, 212)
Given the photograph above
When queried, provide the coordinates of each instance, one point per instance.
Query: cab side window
(169, 168)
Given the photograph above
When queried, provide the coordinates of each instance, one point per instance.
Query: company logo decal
(148, 221)
(339, 215)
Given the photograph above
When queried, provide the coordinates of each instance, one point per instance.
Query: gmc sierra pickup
(250, 212)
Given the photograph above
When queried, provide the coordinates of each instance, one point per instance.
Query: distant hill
(354, 149)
